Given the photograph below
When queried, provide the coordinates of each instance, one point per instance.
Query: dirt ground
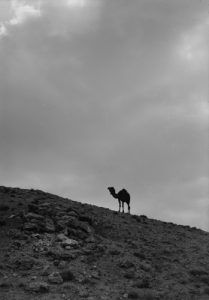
(53, 248)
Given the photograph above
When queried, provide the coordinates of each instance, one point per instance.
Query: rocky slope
(55, 248)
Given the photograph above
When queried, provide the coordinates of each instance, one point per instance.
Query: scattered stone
(126, 264)
(30, 226)
(67, 242)
(37, 287)
(62, 264)
(95, 274)
(34, 216)
(24, 264)
(46, 271)
(60, 255)
(84, 294)
(145, 266)
(55, 278)
(90, 239)
(114, 251)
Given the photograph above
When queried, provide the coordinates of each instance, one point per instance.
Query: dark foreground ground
(55, 248)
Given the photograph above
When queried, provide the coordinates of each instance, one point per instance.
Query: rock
(114, 251)
(73, 214)
(90, 239)
(49, 225)
(29, 226)
(37, 287)
(95, 274)
(70, 243)
(24, 264)
(62, 264)
(33, 216)
(66, 242)
(55, 278)
(46, 271)
(67, 275)
(146, 267)
(84, 294)
(126, 264)
(61, 237)
(60, 254)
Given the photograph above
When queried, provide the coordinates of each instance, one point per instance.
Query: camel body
(122, 196)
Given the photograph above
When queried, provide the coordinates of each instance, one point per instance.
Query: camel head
(112, 191)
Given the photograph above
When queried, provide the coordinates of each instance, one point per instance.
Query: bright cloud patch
(194, 45)
(20, 12)
(3, 30)
(76, 3)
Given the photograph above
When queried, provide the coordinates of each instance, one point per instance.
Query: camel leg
(123, 206)
(128, 208)
(119, 205)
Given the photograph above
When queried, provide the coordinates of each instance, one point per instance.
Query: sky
(98, 93)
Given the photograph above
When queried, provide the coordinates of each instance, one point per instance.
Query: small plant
(4, 207)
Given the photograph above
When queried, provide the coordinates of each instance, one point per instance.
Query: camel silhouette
(122, 196)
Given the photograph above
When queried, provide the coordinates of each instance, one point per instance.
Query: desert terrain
(53, 248)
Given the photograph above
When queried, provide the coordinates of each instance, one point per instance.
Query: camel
(122, 196)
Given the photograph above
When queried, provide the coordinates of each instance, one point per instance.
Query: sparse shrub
(142, 283)
(206, 290)
(143, 294)
(67, 275)
(4, 207)
(204, 279)
(129, 274)
(114, 251)
(139, 254)
(198, 272)
(133, 294)
(2, 223)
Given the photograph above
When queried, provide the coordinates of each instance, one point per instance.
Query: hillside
(56, 248)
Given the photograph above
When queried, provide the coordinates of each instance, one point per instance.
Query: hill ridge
(57, 248)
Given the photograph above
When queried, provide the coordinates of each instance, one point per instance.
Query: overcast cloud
(96, 93)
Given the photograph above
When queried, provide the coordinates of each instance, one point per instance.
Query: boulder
(66, 242)
(33, 216)
(55, 278)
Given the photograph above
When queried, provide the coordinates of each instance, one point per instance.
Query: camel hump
(124, 193)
